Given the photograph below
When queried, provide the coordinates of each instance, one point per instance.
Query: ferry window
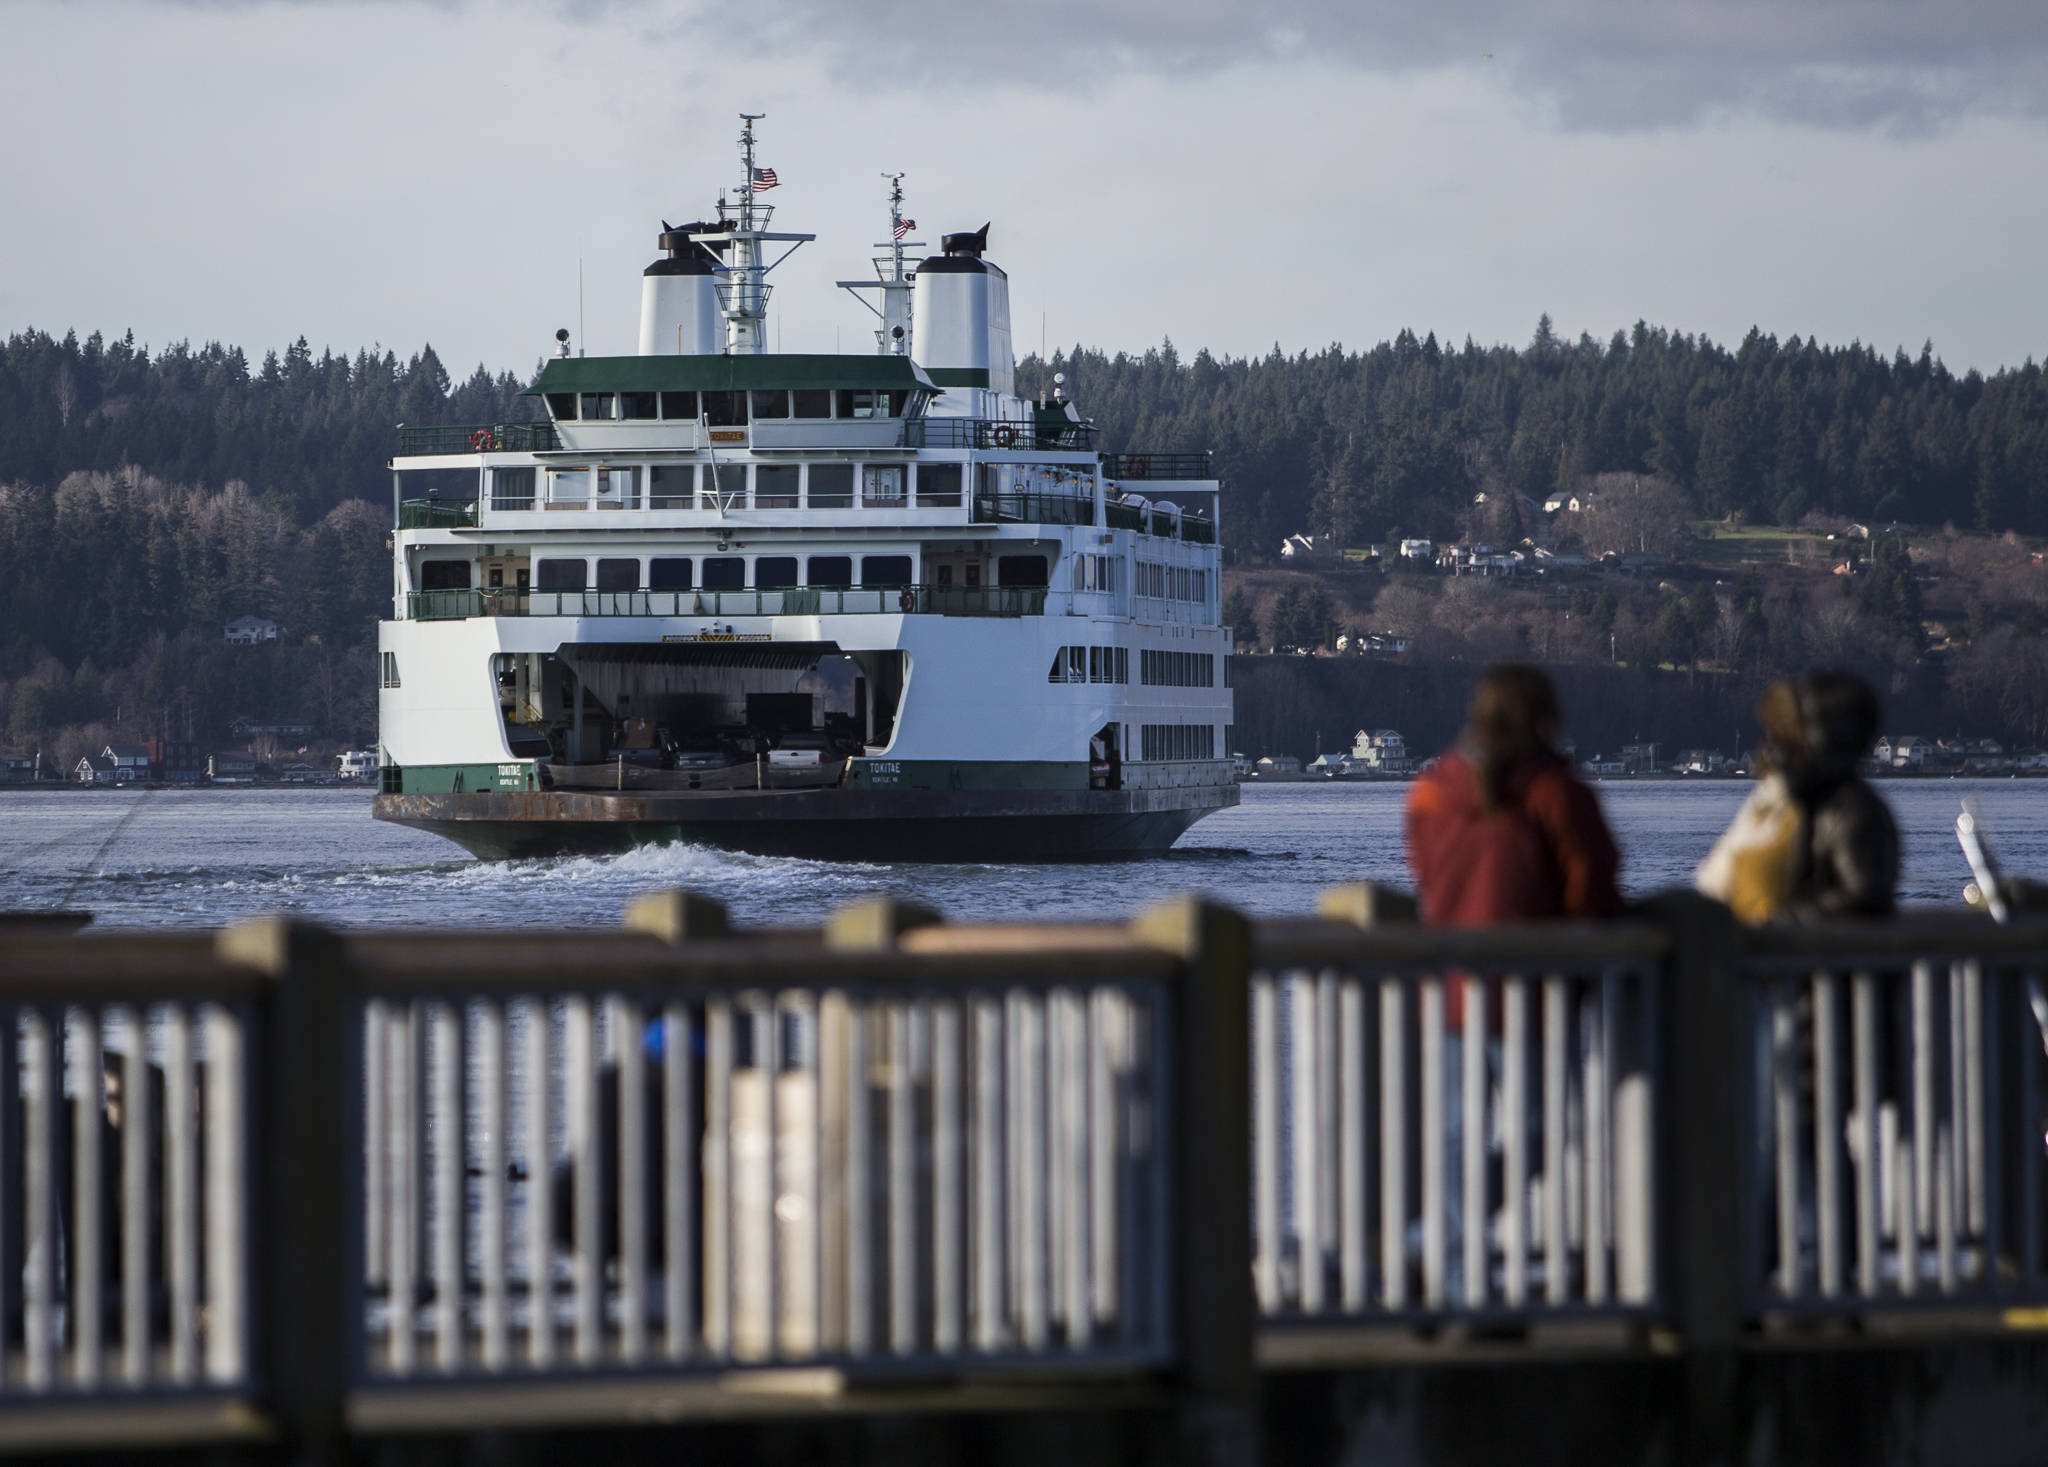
(892, 403)
(724, 572)
(672, 486)
(512, 488)
(569, 486)
(668, 573)
(813, 402)
(938, 485)
(881, 485)
(830, 570)
(773, 572)
(679, 405)
(1021, 570)
(444, 575)
(618, 575)
(885, 570)
(724, 481)
(636, 404)
(600, 405)
(772, 403)
(856, 403)
(562, 406)
(725, 409)
(390, 669)
(831, 486)
(561, 575)
(620, 486)
(775, 486)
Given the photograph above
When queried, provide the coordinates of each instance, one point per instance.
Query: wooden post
(679, 916)
(1705, 1056)
(876, 923)
(306, 1138)
(1215, 1320)
(1368, 904)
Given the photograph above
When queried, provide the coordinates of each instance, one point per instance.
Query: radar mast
(892, 337)
(743, 288)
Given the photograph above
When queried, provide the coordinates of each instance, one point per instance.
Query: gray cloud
(1600, 65)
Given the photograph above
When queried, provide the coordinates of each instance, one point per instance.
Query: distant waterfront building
(1418, 550)
(96, 769)
(356, 763)
(1639, 759)
(21, 768)
(130, 761)
(1279, 764)
(231, 769)
(1381, 751)
(247, 631)
(1302, 549)
(175, 761)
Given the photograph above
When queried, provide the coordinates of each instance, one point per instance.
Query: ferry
(884, 606)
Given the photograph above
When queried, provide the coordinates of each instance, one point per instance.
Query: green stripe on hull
(458, 779)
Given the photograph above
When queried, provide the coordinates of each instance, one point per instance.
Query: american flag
(904, 226)
(763, 178)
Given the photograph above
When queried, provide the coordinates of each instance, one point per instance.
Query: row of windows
(1172, 582)
(1177, 669)
(1094, 572)
(735, 486)
(713, 573)
(732, 409)
(1177, 741)
(718, 572)
(1090, 665)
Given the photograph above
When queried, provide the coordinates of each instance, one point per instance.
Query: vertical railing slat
(949, 1211)
(1514, 1240)
(718, 1279)
(1266, 1140)
(1827, 1133)
(227, 1193)
(679, 1182)
(1435, 1146)
(43, 1059)
(181, 1181)
(1863, 1031)
(540, 1156)
(85, 1250)
(451, 1189)
(1352, 1144)
(495, 1341)
(1304, 1052)
(138, 1128)
(586, 1251)
(1556, 1179)
(1477, 993)
(1394, 1142)
(630, 1040)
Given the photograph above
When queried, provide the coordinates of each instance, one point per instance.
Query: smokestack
(961, 303)
(679, 299)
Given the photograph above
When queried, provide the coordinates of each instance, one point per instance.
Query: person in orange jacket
(1502, 830)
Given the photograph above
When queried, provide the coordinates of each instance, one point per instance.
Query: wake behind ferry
(856, 606)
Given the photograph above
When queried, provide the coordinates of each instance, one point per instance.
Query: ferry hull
(897, 825)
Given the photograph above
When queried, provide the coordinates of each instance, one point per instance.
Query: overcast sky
(1229, 175)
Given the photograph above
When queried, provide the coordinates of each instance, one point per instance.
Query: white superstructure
(710, 569)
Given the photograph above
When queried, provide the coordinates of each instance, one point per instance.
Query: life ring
(1004, 435)
(907, 601)
(482, 441)
(1138, 468)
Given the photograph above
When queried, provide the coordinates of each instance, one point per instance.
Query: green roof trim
(728, 374)
(960, 376)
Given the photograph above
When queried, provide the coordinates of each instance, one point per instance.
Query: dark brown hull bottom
(827, 825)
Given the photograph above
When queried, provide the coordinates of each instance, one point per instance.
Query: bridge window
(938, 485)
(1021, 570)
(774, 572)
(600, 406)
(444, 575)
(856, 402)
(636, 404)
(618, 575)
(775, 486)
(830, 570)
(724, 409)
(881, 485)
(668, 573)
(679, 405)
(672, 486)
(725, 572)
(562, 406)
(831, 486)
(772, 403)
(390, 669)
(512, 488)
(561, 575)
(813, 402)
(885, 570)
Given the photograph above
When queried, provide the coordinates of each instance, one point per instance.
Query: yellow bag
(1750, 867)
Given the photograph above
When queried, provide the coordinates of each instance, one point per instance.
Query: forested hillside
(146, 496)
(1362, 445)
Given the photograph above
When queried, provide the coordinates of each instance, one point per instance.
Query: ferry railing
(1453, 1124)
(1033, 509)
(1899, 1102)
(443, 438)
(436, 514)
(130, 1087)
(919, 600)
(1156, 466)
(992, 434)
(929, 1153)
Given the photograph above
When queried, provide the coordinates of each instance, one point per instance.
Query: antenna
(579, 298)
(892, 337)
(743, 294)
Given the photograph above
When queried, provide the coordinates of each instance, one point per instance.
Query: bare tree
(1636, 512)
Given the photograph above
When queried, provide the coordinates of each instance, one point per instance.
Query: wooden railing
(309, 1184)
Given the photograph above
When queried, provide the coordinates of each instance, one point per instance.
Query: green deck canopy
(729, 373)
